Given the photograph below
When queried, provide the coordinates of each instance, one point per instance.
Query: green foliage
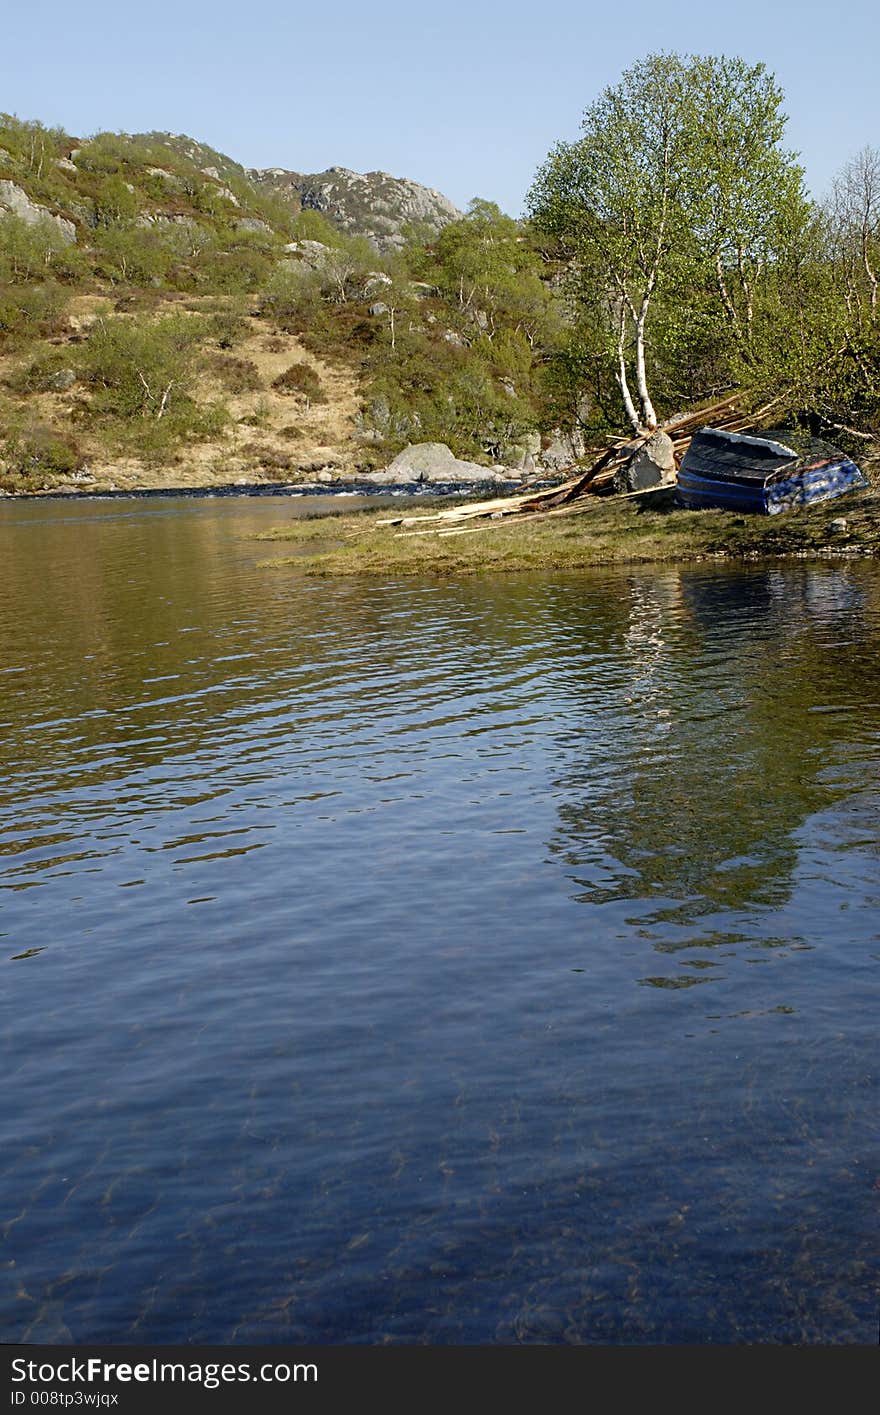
(292, 297)
(143, 368)
(132, 255)
(310, 225)
(33, 452)
(674, 204)
(29, 312)
(113, 201)
(239, 270)
(227, 325)
(487, 265)
(31, 251)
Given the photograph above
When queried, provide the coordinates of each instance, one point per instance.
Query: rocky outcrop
(371, 204)
(430, 462)
(15, 200)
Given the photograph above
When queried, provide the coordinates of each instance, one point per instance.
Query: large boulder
(15, 199)
(430, 462)
(652, 465)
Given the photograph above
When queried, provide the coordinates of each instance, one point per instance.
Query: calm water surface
(411, 961)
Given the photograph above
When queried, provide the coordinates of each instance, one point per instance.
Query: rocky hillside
(172, 177)
(167, 314)
(374, 204)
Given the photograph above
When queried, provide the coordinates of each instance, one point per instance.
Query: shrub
(39, 451)
(228, 327)
(30, 311)
(236, 375)
(302, 380)
(237, 271)
(36, 250)
(132, 254)
(142, 367)
(292, 299)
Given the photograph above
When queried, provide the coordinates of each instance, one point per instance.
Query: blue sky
(467, 96)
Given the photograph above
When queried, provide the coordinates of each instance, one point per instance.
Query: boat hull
(803, 487)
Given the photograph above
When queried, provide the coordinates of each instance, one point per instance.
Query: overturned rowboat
(738, 472)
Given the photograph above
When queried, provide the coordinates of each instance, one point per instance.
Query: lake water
(411, 961)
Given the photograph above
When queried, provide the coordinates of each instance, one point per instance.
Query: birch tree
(855, 223)
(613, 200)
(678, 182)
(747, 202)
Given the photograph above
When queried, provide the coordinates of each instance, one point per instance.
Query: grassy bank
(606, 531)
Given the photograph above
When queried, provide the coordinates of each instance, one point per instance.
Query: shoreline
(601, 531)
(354, 487)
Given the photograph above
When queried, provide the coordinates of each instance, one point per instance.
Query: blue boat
(737, 472)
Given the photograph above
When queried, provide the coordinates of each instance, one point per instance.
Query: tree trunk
(622, 380)
(650, 416)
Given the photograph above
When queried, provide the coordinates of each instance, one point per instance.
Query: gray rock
(252, 223)
(430, 462)
(313, 253)
(161, 218)
(65, 165)
(522, 453)
(557, 456)
(376, 280)
(453, 337)
(16, 200)
(652, 465)
(378, 308)
(61, 380)
(170, 179)
(371, 204)
(838, 525)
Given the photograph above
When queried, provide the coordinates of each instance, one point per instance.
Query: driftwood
(575, 494)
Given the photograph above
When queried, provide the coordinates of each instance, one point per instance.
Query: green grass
(606, 531)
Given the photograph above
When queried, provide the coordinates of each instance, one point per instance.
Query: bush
(292, 299)
(36, 251)
(39, 451)
(142, 367)
(228, 327)
(30, 312)
(301, 379)
(132, 255)
(237, 271)
(236, 375)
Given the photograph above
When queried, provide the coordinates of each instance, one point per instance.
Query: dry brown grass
(294, 437)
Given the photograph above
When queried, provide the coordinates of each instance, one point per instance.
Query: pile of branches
(575, 494)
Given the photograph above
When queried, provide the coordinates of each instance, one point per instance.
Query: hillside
(168, 317)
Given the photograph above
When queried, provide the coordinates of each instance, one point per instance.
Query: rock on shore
(433, 462)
